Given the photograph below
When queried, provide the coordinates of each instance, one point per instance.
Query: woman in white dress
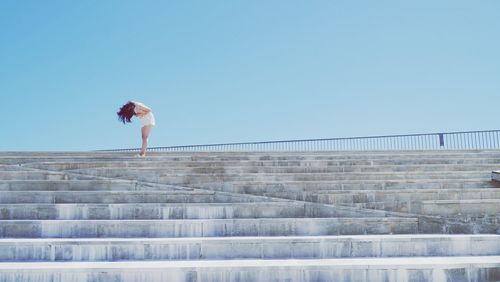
(145, 116)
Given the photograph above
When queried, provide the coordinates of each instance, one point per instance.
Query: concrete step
(159, 211)
(364, 196)
(155, 174)
(206, 228)
(398, 198)
(76, 185)
(470, 207)
(304, 169)
(327, 169)
(297, 166)
(458, 164)
(259, 187)
(417, 269)
(417, 208)
(40, 175)
(230, 248)
(116, 197)
(457, 203)
(84, 185)
(12, 168)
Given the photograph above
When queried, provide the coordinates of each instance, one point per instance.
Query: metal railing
(467, 140)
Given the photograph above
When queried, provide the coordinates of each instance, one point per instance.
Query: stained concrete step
(475, 207)
(416, 208)
(416, 269)
(197, 178)
(206, 228)
(162, 211)
(327, 169)
(452, 164)
(41, 175)
(452, 203)
(12, 168)
(230, 248)
(393, 196)
(260, 187)
(154, 175)
(304, 169)
(465, 209)
(77, 185)
(115, 197)
(84, 185)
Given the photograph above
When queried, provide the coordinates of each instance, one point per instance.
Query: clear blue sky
(230, 71)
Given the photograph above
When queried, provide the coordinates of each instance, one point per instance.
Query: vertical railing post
(441, 139)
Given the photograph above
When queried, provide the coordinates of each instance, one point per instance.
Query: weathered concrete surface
(94, 197)
(39, 175)
(74, 185)
(290, 247)
(283, 166)
(74, 213)
(205, 228)
(404, 200)
(191, 177)
(159, 211)
(380, 269)
(259, 187)
(482, 207)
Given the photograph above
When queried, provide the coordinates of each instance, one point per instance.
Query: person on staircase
(145, 116)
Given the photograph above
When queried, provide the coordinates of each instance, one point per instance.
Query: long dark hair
(126, 112)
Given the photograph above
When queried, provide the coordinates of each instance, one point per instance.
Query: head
(126, 112)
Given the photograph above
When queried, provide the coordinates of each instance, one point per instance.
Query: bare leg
(145, 130)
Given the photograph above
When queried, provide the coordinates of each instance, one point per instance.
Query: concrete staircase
(294, 216)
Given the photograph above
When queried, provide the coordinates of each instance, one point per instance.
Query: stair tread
(361, 263)
(253, 238)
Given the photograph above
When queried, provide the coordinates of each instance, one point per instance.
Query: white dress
(147, 119)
